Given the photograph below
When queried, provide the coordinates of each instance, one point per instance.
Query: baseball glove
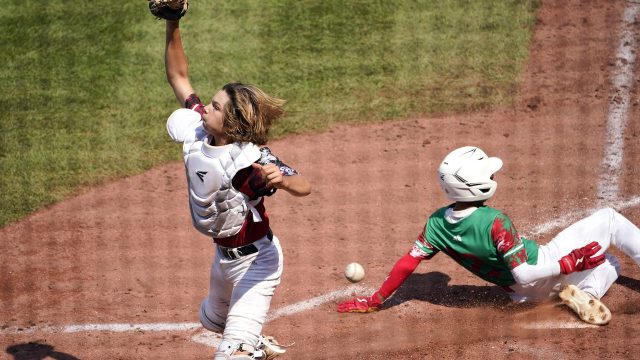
(168, 9)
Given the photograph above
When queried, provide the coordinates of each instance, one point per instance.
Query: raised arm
(175, 61)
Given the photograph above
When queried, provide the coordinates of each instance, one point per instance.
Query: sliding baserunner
(574, 265)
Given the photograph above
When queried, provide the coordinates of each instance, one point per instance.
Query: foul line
(547, 325)
(618, 107)
(213, 339)
(576, 215)
(317, 301)
(285, 311)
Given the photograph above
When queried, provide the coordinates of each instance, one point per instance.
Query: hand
(581, 259)
(271, 175)
(361, 304)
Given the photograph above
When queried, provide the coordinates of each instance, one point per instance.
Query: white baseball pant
(607, 227)
(240, 293)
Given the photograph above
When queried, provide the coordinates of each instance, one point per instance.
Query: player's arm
(510, 245)
(277, 174)
(176, 64)
(577, 260)
(296, 185)
(293, 184)
(398, 275)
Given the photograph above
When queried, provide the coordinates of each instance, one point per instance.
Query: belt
(240, 251)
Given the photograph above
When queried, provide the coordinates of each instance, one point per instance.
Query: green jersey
(485, 243)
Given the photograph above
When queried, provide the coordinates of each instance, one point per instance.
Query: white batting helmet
(465, 174)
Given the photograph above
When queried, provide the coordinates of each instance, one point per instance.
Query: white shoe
(270, 347)
(588, 309)
(258, 355)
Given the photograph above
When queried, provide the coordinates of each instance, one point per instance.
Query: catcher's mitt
(168, 9)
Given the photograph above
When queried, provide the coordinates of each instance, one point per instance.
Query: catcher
(229, 173)
(574, 265)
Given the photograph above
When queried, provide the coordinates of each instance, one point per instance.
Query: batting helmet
(466, 174)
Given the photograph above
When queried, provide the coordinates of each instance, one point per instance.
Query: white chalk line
(101, 327)
(206, 337)
(608, 189)
(572, 217)
(549, 325)
(213, 339)
(608, 185)
(618, 107)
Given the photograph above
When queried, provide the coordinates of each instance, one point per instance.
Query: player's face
(213, 116)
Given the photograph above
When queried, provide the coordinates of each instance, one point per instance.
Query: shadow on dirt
(433, 287)
(629, 283)
(36, 351)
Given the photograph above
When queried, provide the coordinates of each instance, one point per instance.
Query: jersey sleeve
(267, 157)
(422, 249)
(193, 102)
(508, 242)
(251, 182)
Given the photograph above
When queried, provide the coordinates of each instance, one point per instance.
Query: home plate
(207, 338)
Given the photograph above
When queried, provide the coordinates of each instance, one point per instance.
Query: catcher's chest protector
(217, 208)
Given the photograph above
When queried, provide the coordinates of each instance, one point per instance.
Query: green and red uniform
(485, 243)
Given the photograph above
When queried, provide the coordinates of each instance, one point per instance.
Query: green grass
(84, 98)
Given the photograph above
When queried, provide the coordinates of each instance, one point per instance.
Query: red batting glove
(581, 259)
(361, 304)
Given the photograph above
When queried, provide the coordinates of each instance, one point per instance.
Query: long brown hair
(250, 113)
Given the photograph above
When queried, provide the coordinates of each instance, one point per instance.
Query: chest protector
(217, 208)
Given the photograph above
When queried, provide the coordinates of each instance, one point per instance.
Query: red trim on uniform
(502, 238)
(245, 181)
(193, 102)
(250, 231)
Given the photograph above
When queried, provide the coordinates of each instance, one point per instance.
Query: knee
(607, 274)
(607, 213)
(615, 263)
(607, 217)
(209, 321)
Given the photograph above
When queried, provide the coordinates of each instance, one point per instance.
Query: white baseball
(354, 272)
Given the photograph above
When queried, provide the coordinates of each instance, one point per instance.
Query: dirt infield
(79, 276)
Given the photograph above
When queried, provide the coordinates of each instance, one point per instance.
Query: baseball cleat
(588, 309)
(270, 346)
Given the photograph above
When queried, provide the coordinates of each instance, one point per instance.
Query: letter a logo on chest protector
(201, 175)
(217, 208)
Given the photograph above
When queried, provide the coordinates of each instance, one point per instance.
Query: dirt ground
(126, 253)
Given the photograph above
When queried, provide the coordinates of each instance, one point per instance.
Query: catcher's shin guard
(589, 309)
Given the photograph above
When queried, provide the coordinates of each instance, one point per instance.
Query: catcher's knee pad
(209, 323)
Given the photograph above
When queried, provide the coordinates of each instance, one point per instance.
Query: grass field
(84, 97)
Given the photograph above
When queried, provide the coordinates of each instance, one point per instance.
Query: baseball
(354, 272)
